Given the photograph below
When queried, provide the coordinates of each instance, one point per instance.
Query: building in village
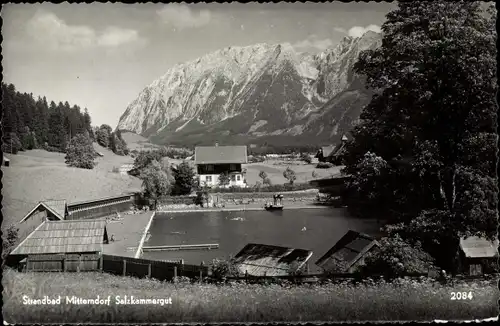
(266, 260)
(57, 245)
(348, 253)
(478, 256)
(332, 154)
(212, 161)
(6, 161)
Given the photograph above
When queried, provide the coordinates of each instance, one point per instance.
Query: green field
(39, 175)
(404, 300)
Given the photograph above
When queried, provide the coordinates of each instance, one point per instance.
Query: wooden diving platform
(183, 247)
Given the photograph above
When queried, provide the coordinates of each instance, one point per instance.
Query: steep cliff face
(255, 92)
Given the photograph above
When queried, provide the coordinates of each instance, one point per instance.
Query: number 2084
(461, 295)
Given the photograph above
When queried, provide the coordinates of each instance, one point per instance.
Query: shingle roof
(349, 249)
(327, 150)
(56, 207)
(220, 154)
(476, 247)
(68, 236)
(257, 259)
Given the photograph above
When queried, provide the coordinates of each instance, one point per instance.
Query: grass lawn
(275, 169)
(406, 300)
(39, 175)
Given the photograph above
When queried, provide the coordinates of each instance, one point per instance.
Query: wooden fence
(160, 270)
(63, 263)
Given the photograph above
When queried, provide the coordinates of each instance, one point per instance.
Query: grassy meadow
(39, 175)
(402, 300)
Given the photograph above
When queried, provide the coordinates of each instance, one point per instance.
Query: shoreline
(234, 209)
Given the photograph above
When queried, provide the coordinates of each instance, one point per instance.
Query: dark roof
(56, 207)
(257, 259)
(476, 247)
(124, 196)
(349, 249)
(70, 236)
(220, 154)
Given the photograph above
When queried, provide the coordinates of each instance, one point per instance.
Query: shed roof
(70, 236)
(257, 259)
(476, 247)
(327, 150)
(56, 207)
(349, 249)
(123, 196)
(220, 154)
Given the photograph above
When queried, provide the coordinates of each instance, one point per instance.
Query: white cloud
(358, 31)
(313, 42)
(182, 17)
(115, 36)
(53, 32)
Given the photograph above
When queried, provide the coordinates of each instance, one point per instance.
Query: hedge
(271, 188)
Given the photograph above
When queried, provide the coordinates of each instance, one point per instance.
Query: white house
(212, 161)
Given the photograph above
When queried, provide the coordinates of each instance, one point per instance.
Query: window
(233, 177)
(208, 178)
(238, 177)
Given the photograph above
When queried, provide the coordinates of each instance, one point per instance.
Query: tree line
(31, 124)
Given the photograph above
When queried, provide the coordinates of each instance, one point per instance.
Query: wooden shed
(71, 246)
(478, 255)
(97, 208)
(52, 210)
(266, 260)
(348, 253)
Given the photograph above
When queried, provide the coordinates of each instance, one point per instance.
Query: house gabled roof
(70, 236)
(349, 249)
(257, 259)
(220, 154)
(57, 207)
(476, 247)
(327, 150)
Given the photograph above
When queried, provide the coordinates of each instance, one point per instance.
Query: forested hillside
(30, 123)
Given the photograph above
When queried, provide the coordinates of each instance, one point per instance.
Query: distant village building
(332, 154)
(63, 246)
(212, 161)
(266, 260)
(348, 253)
(477, 255)
(6, 161)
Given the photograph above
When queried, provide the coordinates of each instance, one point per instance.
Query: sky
(100, 56)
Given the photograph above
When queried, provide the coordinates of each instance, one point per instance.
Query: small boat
(272, 207)
(277, 205)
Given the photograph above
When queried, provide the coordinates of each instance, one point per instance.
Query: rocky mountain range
(255, 94)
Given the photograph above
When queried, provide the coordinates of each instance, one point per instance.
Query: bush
(396, 258)
(201, 198)
(324, 165)
(256, 159)
(9, 241)
(221, 269)
(306, 158)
